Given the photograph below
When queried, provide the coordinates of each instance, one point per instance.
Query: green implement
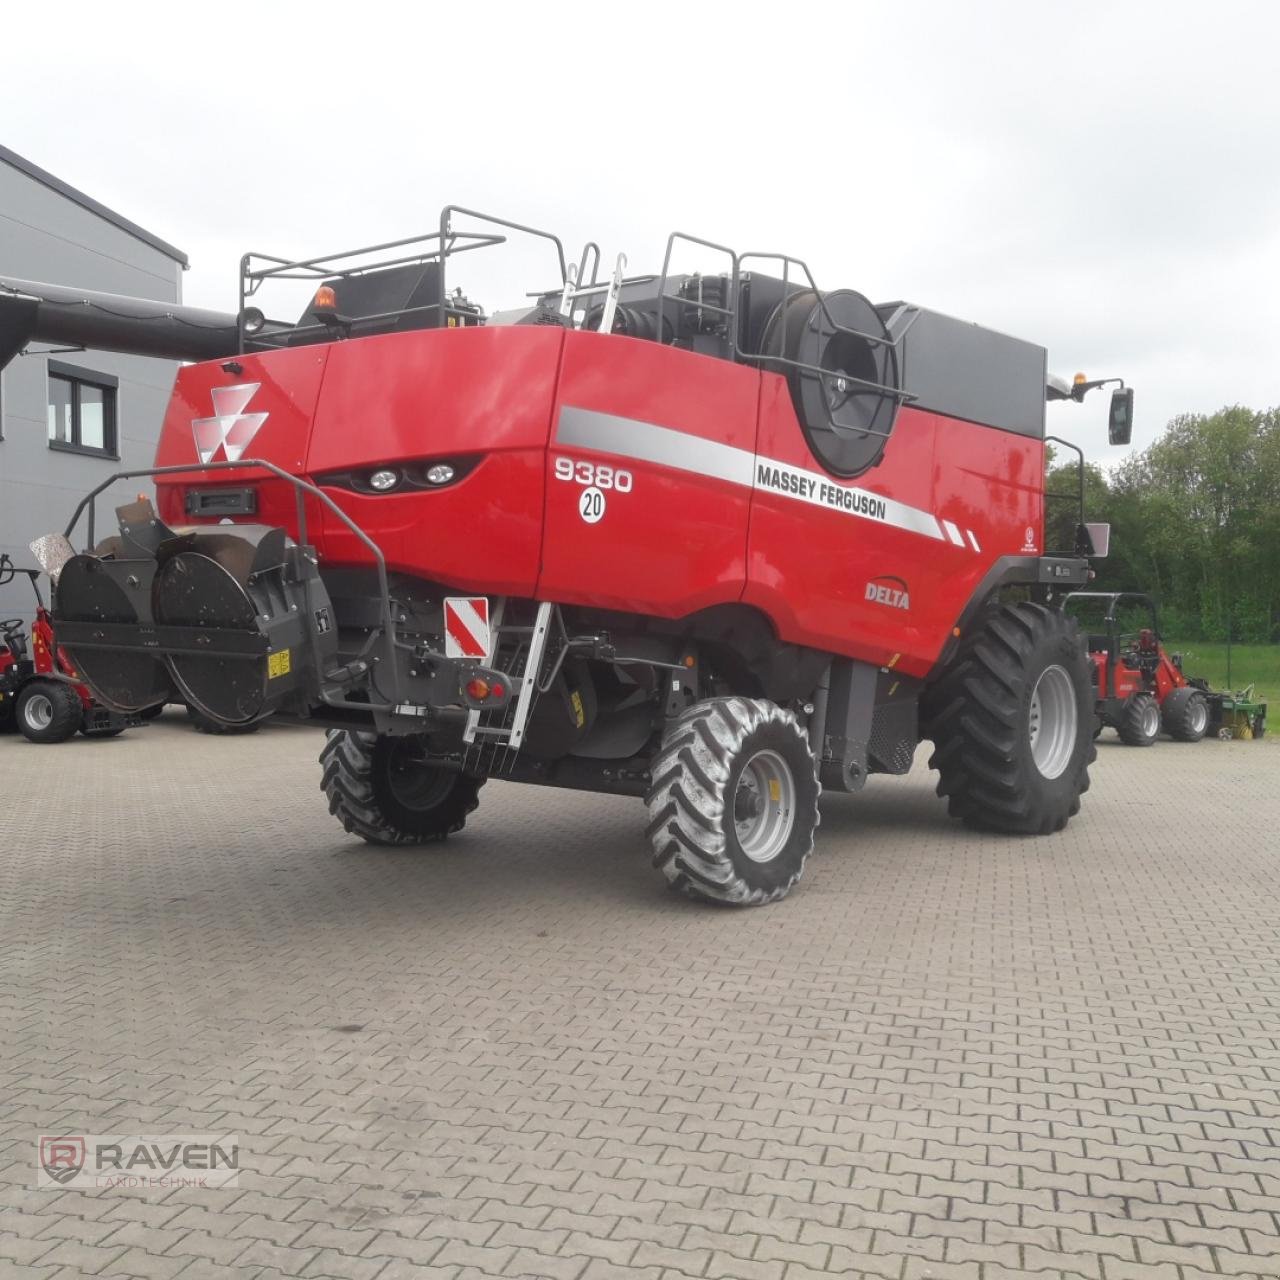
(1235, 715)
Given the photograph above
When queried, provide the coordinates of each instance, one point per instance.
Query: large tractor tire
(1012, 722)
(382, 790)
(48, 711)
(1185, 715)
(1139, 721)
(733, 802)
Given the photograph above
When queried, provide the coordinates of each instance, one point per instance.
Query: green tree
(1196, 520)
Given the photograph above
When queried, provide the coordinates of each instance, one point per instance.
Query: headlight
(384, 480)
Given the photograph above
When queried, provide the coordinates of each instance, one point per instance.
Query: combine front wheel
(383, 790)
(1139, 721)
(1012, 720)
(733, 804)
(1185, 715)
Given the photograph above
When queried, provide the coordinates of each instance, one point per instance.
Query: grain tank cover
(962, 370)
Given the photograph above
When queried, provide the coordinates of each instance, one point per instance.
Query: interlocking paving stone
(947, 1056)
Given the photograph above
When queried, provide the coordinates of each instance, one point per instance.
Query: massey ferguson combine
(714, 540)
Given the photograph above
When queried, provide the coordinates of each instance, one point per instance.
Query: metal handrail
(730, 310)
(879, 388)
(732, 307)
(447, 243)
(446, 231)
(301, 489)
(1077, 497)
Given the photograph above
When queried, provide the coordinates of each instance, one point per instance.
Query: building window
(82, 410)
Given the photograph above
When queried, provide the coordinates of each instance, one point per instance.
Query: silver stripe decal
(647, 442)
(630, 438)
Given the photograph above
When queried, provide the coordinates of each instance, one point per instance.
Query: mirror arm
(1080, 389)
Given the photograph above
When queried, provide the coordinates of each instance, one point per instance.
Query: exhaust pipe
(236, 624)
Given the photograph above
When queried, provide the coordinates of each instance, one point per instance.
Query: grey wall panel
(45, 236)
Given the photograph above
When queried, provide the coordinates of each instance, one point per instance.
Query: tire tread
(686, 799)
(973, 713)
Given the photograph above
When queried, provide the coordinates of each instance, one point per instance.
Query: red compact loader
(39, 692)
(719, 541)
(1141, 689)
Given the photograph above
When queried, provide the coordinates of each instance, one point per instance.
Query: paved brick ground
(944, 1056)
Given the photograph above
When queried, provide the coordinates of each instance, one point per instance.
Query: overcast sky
(1100, 178)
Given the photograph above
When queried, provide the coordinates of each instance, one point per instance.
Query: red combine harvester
(714, 540)
(39, 692)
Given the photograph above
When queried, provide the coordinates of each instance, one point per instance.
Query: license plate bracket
(222, 502)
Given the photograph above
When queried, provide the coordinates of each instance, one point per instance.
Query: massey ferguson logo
(230, 431)
(889, 591)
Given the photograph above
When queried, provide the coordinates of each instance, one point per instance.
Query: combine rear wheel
(1139, 721)
(49, 711)
(1012, 722)
(383, 790)
(1185, 715)
(733, 804)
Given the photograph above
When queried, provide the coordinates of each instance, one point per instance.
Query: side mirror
(1120, 420)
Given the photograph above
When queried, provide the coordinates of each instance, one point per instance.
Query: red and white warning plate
(466, 627)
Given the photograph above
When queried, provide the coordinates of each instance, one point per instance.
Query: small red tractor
(717, 540)
(1141, 688)
(39, 693)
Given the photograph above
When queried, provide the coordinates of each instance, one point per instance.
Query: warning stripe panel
(466, 627)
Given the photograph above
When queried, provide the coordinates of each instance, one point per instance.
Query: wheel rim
(1053, 721)
(39, 711)
(764, 806)
(1199, 717)
(413, 782)
(1150, 718)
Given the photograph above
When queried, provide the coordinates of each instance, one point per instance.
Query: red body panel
(45, 657)
(697, 526)
(438, 395)
(810, 567)
(677, 541)
(288, 392)
(1130, 680)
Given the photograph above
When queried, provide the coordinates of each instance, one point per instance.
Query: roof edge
(47, 179)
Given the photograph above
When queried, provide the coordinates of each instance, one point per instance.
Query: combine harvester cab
(715, 540)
